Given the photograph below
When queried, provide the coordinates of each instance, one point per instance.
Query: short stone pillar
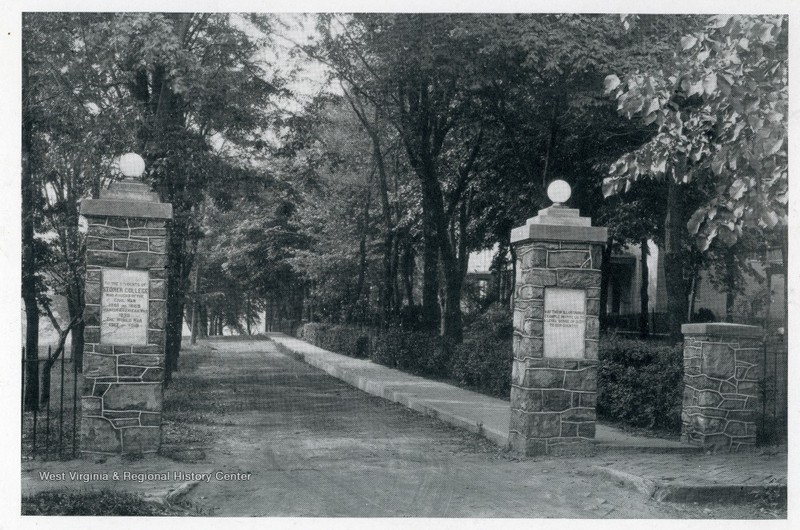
(556, 331)
(722, 367)
(125, 314)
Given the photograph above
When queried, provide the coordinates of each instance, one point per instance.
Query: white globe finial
(559, 192)
(131, 165)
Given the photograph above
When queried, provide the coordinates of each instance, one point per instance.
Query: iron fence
(50, 422)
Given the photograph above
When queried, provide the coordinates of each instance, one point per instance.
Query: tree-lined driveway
(315, 446)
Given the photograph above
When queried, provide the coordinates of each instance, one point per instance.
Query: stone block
(128, 245)
(575, 259)
(118, 414)
(569, 429)
(100, 389)
(726, 387)
(150, 419)
(534, 258)
(593, 293)
(125, 422)
(149, 232)
(733, 404)
(533, 328)
(136, 396)
(591, 349)
(92, 405)
(130, 371)
(706, 425)
(98, 435)
(98, 243)
(158, 274)
(141, 360)
(568, 245)
(156, 223)
(587, 399)
(158, 244)
(597, 256)
(543, 378)
(91, 293)
(154, 349)
(749, 388)
(585, 379)
(91, 315)
(735, 428)
(556, 400)
(153, 374)
(155, 336)
(579, 415)
(587, 430)
(543, 425)
(95, 365)
(95, 276)
(539, 277)
(138, 440)
(528, 292)
(530, 347)
(718, 360)
(592, 307)
(146, 260)
(157, 317)
(96, 220)
(535, 312)
(574, 279)
(118, 222)
(526, 400)
(106, 258)
(91, 334)
(109, 232)
(592, 328)
(749, 355)
(709, 398)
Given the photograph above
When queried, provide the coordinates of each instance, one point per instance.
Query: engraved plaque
(124, 307)
(564, 323)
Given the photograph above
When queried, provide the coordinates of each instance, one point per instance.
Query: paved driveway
(314, 446)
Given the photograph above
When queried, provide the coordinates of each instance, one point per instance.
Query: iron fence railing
(50, 422)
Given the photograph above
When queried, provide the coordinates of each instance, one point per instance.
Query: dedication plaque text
(124, 307)
(564, 322)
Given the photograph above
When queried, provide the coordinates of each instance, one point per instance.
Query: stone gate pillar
(722, 367)
(125, 295)
(556, 329)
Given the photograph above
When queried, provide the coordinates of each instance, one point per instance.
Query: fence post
(47, 416)
(22, 401)
(61, 414)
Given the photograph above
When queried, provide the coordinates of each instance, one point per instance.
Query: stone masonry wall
(122, 385)
(721, 399)
(553, 399)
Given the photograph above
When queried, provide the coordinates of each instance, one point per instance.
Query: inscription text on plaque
(564, 322)
(124, 307)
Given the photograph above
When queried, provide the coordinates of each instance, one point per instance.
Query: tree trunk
(644, 307)
(605, 279)
(408, 267)
(730, 283)
(29, 258)
(677, 296)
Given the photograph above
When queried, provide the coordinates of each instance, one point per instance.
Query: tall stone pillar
(722, 367)
(123, 363)
(556, 329)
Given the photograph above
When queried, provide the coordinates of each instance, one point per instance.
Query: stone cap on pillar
(127, 199)
(722, 328)
(559, 223)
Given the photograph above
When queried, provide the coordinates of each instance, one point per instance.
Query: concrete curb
(678, 492)
(409, 400)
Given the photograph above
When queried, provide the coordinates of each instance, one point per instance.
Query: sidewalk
(660, 469)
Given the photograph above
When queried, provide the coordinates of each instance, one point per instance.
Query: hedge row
(639, 382)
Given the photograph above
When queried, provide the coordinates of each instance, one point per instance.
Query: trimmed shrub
(340, 339)
(484, 364)
(640, 383)
(415, 352)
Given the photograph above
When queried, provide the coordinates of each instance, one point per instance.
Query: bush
(640, 383)
(102, 502)
(484, 364)
(340, 339)
(415, 352)
(496, 322)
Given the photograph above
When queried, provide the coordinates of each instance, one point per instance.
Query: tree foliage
(721, 113)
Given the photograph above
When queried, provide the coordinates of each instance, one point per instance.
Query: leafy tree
(721, 114)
